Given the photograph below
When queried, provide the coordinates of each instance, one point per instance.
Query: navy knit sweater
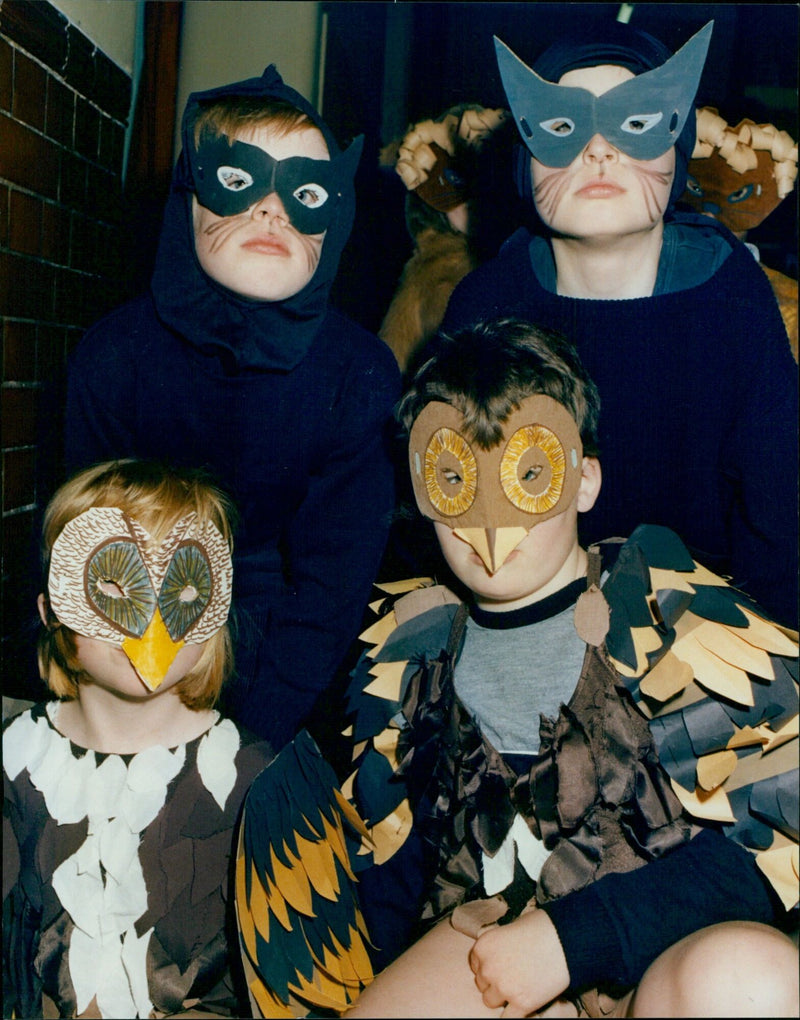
(698, 425)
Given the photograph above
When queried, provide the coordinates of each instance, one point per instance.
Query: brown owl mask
(492, 498)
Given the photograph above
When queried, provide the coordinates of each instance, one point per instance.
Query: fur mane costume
(453, 213)
(739, 176)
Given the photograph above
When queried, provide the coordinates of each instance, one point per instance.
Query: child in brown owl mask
(551, 717)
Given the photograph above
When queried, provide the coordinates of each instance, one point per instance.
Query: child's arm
(612, 930)
(333, 548)
(521, 964)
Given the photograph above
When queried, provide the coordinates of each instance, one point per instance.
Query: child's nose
(270, 207)
(598, 150)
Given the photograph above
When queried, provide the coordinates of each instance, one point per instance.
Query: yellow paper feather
(277, 904)
(746, 737)
(390, 832)
(320, 868)
(388, 680)
(768, 636)
(405, 585)
(782, 869)
(378, 632)
(269, 1005)
(730, 646)
(714, 806)
(776, 738)
(713, 673)
(335, 838)
(672, 580)
(667, 678)
(714, 769)
(292, 882)
(259, 905)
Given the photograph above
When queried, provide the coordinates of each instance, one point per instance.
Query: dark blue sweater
(302, 454)
(698, 425)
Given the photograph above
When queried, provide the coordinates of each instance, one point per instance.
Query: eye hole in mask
(741, 194)
(561, 127)
(533, 469)
(639, 123)
(233, 178)
(311, 195)
(451, 472)
(186, 590)
(119, 586)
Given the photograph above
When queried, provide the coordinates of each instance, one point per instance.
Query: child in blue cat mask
(678, 328)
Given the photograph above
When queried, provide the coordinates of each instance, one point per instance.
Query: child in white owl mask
(121, 795)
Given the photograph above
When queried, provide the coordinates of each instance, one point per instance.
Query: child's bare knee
(733, 969)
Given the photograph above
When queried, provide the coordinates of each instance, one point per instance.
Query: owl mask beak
(153, 653)
(493, 545)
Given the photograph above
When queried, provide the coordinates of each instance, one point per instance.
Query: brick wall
(63, 115)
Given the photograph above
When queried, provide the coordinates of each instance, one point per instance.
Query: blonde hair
(157, 496)
(235, 116)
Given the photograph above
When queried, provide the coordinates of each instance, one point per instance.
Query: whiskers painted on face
(652, 182)
(312, 248)
(220, 231)
(547, 194)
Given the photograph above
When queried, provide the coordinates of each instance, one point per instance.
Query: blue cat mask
(642, 117)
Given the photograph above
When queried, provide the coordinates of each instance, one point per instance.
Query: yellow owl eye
(533, 469)
(120, 588)
(186, 590)
(451, 473)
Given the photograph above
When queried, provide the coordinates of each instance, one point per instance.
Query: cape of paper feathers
(716, 678)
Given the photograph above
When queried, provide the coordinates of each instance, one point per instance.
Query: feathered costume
(115, 871)
(684, 716)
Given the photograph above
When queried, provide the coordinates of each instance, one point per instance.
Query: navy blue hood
(248, 335)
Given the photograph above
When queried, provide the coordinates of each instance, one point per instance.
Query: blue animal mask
(642, 117)
(230, 176)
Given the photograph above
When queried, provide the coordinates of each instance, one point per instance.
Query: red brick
(30, 89)
(6, 72)
(28, 159)
(19, 485)
(19, 416)
(60, 118)
(19, 351)
(25, 223)
(55, 233)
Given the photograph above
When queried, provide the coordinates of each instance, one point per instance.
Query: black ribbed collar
(534, 613)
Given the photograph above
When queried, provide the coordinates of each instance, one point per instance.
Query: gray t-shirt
(519, 665)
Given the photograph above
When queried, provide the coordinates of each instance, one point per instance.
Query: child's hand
(520, 965)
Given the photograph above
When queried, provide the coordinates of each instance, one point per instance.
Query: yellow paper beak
(152, 654)
(493, 545)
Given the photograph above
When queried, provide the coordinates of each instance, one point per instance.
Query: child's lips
(600, 187)
(266, 244)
